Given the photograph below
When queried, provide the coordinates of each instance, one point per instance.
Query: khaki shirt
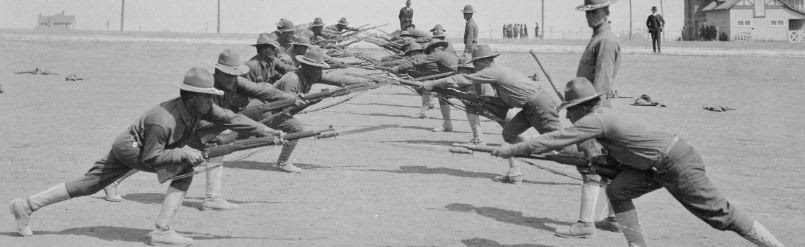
(514, 88)
(266, 71)
(624, 138)
(600, 61)
(296, 83)
(470, 35)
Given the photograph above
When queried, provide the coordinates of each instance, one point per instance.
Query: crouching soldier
(157, 142)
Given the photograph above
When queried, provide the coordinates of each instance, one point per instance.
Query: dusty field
(388, 181)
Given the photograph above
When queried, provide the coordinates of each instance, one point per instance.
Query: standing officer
(470, 31)
(406, 15)
(599, 64)
(651, 159)
(515, 90)
(655, 22)
(156, 142)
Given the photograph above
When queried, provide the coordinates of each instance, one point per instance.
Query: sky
(254, 16)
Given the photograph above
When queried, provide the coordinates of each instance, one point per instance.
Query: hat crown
(437, 33)
(285, 25)
(343, 21)
(301, 40)
(314, 54)
(318, 22)
(229, 58)
(199, 78)
(266, 39)
(590, 5)
(480, 51)
(468, 9)
(579, 88)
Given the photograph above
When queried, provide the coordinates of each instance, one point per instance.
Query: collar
(603, 28)
(183, 111)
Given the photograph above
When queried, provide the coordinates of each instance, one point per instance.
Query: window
(744, 23)
(777, 23)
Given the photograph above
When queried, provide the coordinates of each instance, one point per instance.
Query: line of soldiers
(515, 31)
(286, 65)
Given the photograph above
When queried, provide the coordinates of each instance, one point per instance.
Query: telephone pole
(543, 21)
(219, 16)
(630, 19)
(122, 13)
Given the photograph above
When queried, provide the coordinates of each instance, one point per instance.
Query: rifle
(228, 144)
(313, 98)
(603, 165)
(491, 107)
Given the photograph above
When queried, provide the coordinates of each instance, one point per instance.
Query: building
(57, 21)
(767, 20)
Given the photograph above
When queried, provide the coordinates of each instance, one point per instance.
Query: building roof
(57, 19)
(721, 5)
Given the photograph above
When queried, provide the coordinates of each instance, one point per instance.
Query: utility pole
(663, 28)
(122, 13)
(543, 21)
(219, 16)
(630, 19)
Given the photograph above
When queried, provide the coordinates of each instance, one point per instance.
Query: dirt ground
(388, 181)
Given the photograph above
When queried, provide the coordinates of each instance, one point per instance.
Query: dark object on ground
(718, 108)
(73, 77)
(645, 100)
(37, 71)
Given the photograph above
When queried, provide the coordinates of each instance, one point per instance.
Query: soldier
(342, 25)
(438, 34)
(470, 31)
(515, 90)
(267, 66)
(483, 90)
(237, 94)
(654, 23)
(436, 61)
(300, 46)
(157, 142)
(316, 32)
(285, 33)
(536, 30)
(651, 159)
(599, 64)
(600, 61)
(406, 15)
(310, 72)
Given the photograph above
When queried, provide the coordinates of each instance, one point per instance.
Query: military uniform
(297, 83)
(470, 35)
(406, 17)
(261, 70)
(600, 61)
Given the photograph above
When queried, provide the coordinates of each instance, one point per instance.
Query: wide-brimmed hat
(468, 9)
(594, 4)
(199, 80)
(317, 22)
(577, 91)
(229, 62)
(314, 57)
(436, 43)
(438, 34)
(412, 48)
(285, 25)
(437, 27)
(343, 21)
(301, 40)
(481, 52)
(266, 39)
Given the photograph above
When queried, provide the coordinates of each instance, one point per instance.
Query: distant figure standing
(655, 22)
(406, 15)
(536, 30)
(470, 30)
(525, 31)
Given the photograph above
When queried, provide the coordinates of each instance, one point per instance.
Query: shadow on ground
(125, 234)
(482, 242)
(190, 202)
(457, 173)
(507, 216)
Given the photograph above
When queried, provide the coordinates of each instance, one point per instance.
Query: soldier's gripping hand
(503, 152)
(300, 100)
(428, 85)
(192, 156)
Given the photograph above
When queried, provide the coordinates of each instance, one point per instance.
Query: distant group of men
(291, 59)
(517, 31)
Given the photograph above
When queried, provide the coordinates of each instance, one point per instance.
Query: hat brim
(478, 58)
(441, 43)
(468, 12)
(237, 70)
(303, 59)
(407, 52)
(266, 44)
(578, 101)
(188, 88)
(594, 6)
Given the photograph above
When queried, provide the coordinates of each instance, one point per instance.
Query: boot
(475, 127)
(284, 161)
(22, 208)
(578, 230)
(423, 113)
(111, 190)
(608, 224)
(214, 199)
(761, 237)
(164, 234)
(630, 225)
(168, 237)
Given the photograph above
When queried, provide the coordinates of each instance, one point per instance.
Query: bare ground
(388, 181)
